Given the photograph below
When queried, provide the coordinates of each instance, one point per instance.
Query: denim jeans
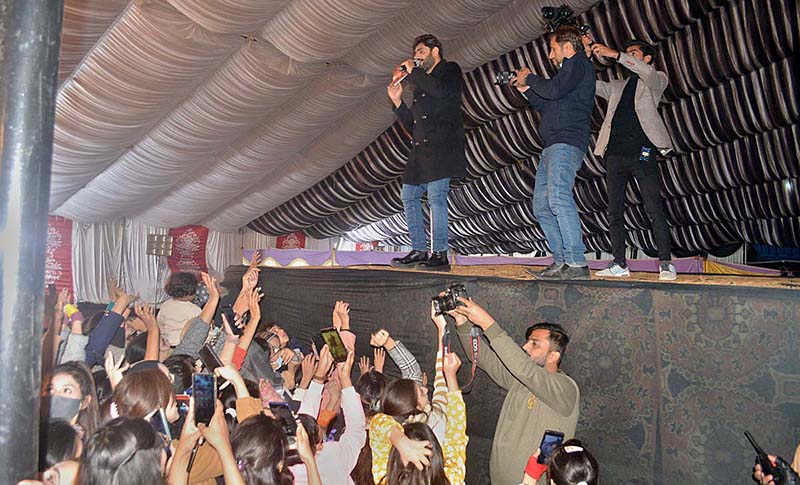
(437, 199)
(554, 205)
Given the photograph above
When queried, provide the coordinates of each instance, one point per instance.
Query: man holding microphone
(437, 148)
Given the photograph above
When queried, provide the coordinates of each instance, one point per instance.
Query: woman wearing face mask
(70, 395)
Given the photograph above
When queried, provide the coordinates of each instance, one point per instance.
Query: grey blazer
(648, 94)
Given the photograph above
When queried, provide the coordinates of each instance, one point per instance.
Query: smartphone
(227, 310)
(204, 390)
(334, 342)
(209, 358)
(283, 413)
(550, 441)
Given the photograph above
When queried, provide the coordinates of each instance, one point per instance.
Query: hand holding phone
(550, 441)
(335, 344)
(204, 391)
(767, 468)
(283, 413)
(209, 358)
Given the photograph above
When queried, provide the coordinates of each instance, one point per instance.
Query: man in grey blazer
(630, 138)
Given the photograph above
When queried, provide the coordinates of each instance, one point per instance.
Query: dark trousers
(620, 169)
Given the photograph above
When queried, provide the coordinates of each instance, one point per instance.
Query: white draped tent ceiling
(274, 114)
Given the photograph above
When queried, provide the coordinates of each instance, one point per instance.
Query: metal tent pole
(30, 36)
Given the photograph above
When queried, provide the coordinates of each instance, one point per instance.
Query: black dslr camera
(504, 78)
(449, 300)
(563, 15)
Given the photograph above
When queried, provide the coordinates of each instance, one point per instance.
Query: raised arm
(213, 298)
(564, 82)
(148, 317)
(405, 360)
(655, 80)
(487, 359)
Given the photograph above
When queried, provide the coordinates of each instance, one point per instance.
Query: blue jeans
(437, 199)
(554, 206)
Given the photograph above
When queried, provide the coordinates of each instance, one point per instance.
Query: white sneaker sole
(604, 274)
(667, 277)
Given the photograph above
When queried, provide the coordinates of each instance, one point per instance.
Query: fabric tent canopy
(274, 113)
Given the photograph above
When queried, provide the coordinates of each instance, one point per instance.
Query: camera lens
(548, 13)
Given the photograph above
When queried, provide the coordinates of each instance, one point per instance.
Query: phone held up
(335, 344)
(204, 390)
(550, 441)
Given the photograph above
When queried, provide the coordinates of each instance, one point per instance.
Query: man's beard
(428, 62)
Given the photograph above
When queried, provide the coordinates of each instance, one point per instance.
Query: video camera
(561, 16)
(448, 301)
(504, 78)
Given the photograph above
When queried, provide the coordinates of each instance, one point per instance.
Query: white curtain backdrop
(116, 252)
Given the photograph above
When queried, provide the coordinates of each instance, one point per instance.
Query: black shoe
(410, 260)
(437, 262)
(554, 268)
(567, 272)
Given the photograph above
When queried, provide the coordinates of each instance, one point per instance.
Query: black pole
(30, 36)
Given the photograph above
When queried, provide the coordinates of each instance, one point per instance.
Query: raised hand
(364, 365)
(380, 359)
(395, 92)
(304, 445)
(325, 364)
(346, 368)
(211, 284)
(341, 316)
(255, 259)
(115, 370)
(474, 312)
(309, 366)
(216, 433)
(146, 314)
(379, 338)
(254, 303)
(450, 367)
(438, 320)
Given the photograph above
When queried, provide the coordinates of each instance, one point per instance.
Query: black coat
(436, 125)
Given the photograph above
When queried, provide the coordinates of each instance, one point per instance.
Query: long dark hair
(140, 393)
(370, 387)
(571, 464)
(88, 415)
(259, 446)
(433, 474)
(126, 451)
(400, 400)
(58, 441)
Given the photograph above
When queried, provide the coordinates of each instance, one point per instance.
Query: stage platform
(671, 373)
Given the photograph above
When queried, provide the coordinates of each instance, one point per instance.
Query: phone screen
(283, 413)
(550, 441)
(334, 342)
(209, 358)
(204, 390)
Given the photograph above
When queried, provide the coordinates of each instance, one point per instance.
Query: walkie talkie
(767, 468)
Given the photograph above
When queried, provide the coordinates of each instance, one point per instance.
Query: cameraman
(565, 101)
(630, 138)
(540, 397)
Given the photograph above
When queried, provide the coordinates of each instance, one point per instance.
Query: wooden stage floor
(517, 272)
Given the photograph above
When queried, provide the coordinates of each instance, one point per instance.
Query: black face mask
(60, 407)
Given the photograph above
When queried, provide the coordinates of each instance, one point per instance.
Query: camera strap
(475, 347)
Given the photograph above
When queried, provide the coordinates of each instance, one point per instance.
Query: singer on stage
(437, 148)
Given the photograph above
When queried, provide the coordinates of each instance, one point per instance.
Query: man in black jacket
(565, 102)
(437, 152)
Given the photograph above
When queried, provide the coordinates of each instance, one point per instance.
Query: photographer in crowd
(630, 138)
(540, 397)
(565, 102)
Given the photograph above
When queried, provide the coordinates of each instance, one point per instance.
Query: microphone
(401, 72)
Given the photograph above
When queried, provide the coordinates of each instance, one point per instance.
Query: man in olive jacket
(437, 148)
(540, 397)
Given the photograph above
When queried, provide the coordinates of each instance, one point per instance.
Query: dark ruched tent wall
(732, 108)
(670, 376)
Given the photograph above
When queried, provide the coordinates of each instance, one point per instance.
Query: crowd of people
(118, 406)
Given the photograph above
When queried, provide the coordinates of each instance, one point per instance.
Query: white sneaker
(667, 272)
(614, 270)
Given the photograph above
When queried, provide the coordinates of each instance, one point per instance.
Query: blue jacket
(566, 101)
